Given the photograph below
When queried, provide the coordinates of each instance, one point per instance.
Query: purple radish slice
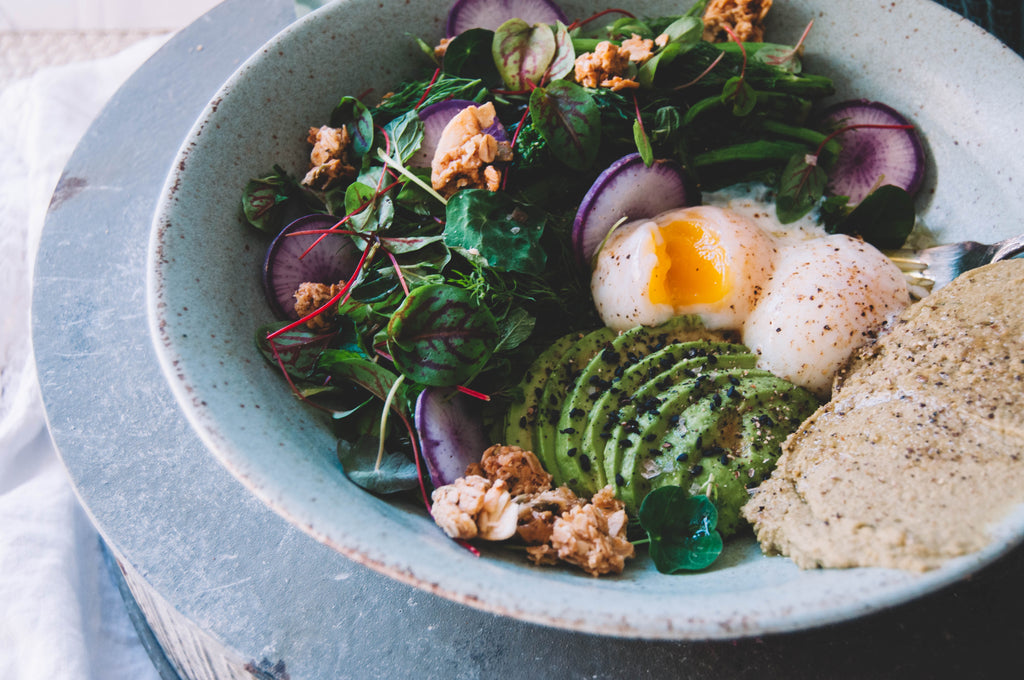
(334, 259)
(435, 117)
(628, 189)
(873, 156)
(450, 431)
(490, 14)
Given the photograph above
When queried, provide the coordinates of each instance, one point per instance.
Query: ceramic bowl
(963, 89)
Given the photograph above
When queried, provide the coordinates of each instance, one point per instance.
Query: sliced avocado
(521, 414)
(638, 444)
(726, 443)
(561, 379)
(646, 380)
(576, 465)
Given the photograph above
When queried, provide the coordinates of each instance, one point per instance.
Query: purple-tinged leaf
(451, 433)
(564, 61)
(523, 52)
(569, 120)
(440, 336)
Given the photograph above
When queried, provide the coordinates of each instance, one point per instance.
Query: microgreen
(680, 529)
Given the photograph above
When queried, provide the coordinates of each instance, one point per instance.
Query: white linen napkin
(61, 615)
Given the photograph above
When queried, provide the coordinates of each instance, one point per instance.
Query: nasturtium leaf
(801, 185)
(468, 55)
(681, 529)
(738, 92)
(440, 336)
(564, 61)
(569, 120)
(884, 218)
(523, 52)
(495, 230)
(353, 114)
(359, 462)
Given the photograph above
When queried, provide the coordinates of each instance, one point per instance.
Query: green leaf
(884, 218)
(643, 143)
(523, 52)
(439, 336)
(495, 230)
(405, 134)
(681, 529)
(801, 185)
(371, 376)
(569, 120)
(649, 69)
(783, 57)
(514, 329)
(738, 92)
(359, 462)
(468, 55)
(354, 115)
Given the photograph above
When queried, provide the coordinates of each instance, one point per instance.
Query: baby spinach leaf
(354, 115)
(523, 52)
(439, 336)
(494, 230)
(359, 462)
(569, 120)
(681, 529)
(801, 184)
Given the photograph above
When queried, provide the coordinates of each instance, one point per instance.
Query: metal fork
(932, 268)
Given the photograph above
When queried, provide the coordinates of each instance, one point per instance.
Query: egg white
(826, 297)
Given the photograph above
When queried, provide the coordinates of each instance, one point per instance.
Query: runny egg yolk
(691, 265)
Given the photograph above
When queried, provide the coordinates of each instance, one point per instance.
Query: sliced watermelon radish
(450, 432)
(288, 265)
(628, 189)
(872, 156)
(490, 14)
(435, 117)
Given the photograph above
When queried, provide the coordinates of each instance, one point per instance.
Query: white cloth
(61, 615)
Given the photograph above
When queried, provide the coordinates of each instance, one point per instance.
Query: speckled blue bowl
(963, 88)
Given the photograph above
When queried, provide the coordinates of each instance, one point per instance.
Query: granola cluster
(613, 66)
(330, 160)
(312, 296)
(555, 524)
(744, 17)
(467, 156)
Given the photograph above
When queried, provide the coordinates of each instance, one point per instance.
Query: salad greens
(466, 290)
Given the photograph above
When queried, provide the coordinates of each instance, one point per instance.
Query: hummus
(921, 449)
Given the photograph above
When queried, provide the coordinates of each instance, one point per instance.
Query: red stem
(342, 294)
(430, 85)
(578, 23)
